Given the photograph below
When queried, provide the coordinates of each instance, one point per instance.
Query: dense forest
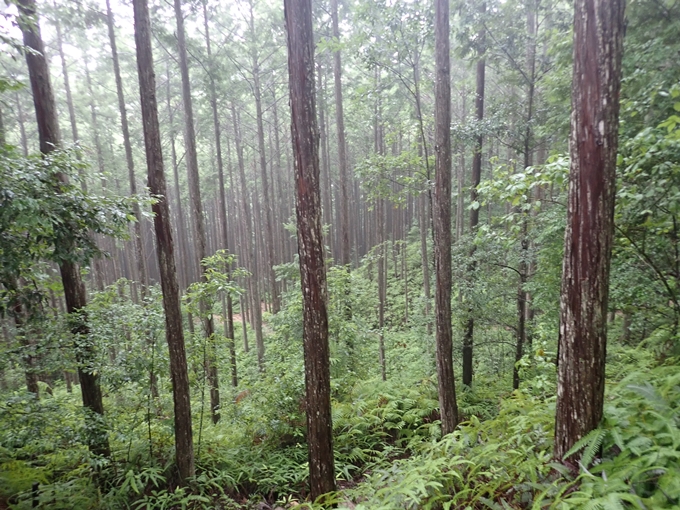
(340, 254)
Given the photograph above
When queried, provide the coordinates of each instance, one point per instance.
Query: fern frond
(590, 443)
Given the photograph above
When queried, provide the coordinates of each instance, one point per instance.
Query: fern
(591, 444)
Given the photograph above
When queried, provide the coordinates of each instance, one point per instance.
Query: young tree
(442, 219)
(310, 245)
(598, 42)
(174, 333)
(74, 289)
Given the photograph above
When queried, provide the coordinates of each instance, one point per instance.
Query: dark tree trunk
(197, 208)
(468, 338)
(74, 290)
(442, 220)
(174, 334)
(305, 137)
(598, 41)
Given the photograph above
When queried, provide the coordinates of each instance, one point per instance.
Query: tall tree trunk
(269, 225)
(442, 220)
(185, 270)
(227, 305)
(305, 136)
(598, 45)
(197, 208)
(250, 243)
(137, 238)
(342, 146)
(522, 295)
(74, 290)
(174, 333)
(468, 338)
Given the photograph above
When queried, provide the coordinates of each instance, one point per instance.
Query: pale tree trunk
(250, 244)
(305, 136)
(185, 271)
(197, 208)
(22, 127)
(227, 305)
(174, 333)
(342, 145)
(598, 45)
(269, 226)
(137, 238)
(442, 220)
(74, 290)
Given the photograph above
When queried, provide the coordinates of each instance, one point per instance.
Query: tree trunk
(137, 238)
(269, 226)
(598, 41)
(305, 136)
(174, 333)
(442, 220)
(250, 244)
(474, 212)
(197, 208)
(227, 305)
(74, 290)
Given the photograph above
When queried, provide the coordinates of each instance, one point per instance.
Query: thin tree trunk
(468, 338)
(137, 237)
(305, 136)
(249, 242)
(227, 305)
(174, 333)
(269, 226)
(342, 146)
(197, 208)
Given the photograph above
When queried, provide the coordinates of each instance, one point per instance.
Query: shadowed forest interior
(353, 254)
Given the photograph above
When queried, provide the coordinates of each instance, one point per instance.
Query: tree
(442, 220)
(174, 333)
(598, 42)
(468, 339)
(342, 145)
(139, 246)
(74, 289)
(305, 137)
(196, 206)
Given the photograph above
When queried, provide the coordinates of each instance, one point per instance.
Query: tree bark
(598, 42)
(305, 137)
(442, 220)
(74, 290)
(174, 333)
